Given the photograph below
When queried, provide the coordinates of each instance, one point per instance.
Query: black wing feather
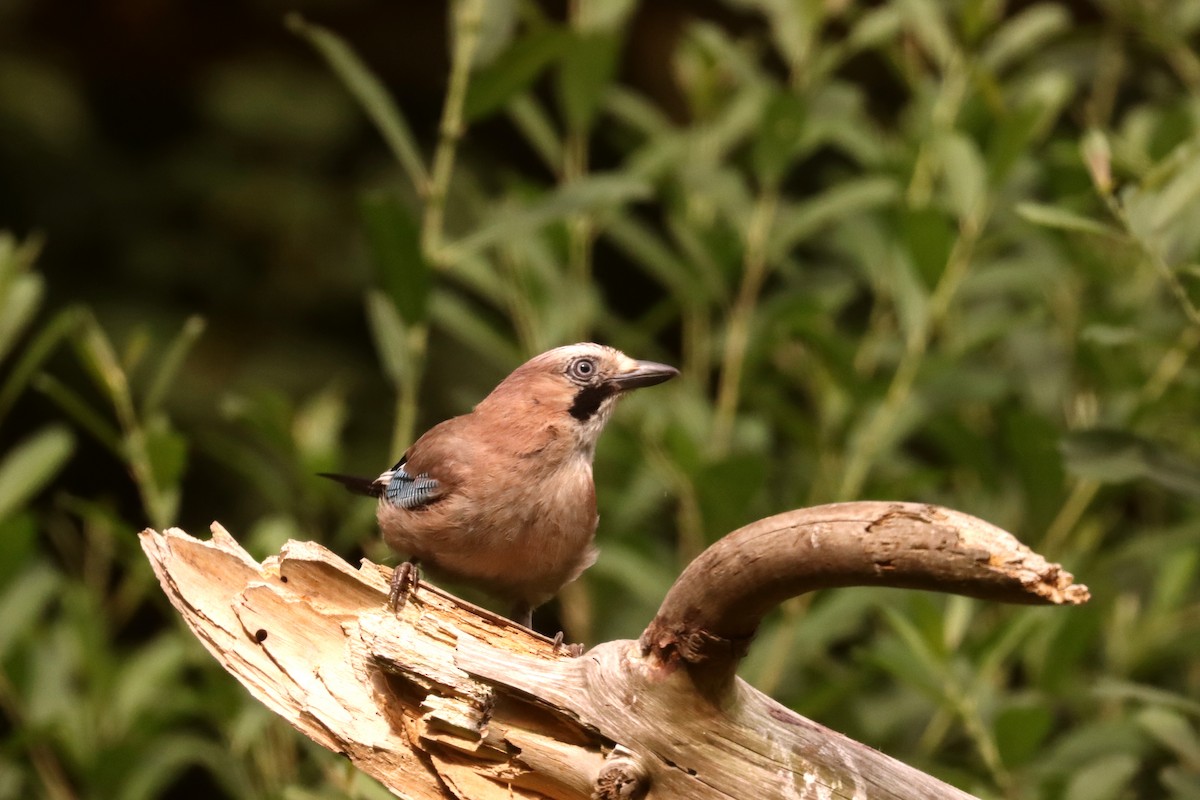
(365, 486)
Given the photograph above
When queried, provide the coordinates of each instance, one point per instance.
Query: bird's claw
(404, 583)
(569, 649)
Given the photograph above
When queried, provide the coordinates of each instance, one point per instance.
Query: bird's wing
(406, 490)
(437, 465)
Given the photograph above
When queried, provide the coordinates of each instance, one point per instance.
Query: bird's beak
(644, 373)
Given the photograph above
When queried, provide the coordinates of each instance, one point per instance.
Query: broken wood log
(447, 700)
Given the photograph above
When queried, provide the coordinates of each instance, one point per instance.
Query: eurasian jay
(502, 498)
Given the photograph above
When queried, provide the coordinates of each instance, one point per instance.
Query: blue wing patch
(407, 491)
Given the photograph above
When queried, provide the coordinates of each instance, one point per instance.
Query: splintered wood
(446, 700)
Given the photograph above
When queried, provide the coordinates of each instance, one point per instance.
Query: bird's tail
(367, 486)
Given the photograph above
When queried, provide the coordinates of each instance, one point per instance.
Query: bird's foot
(404, 583)
(522, 614)
(569, 649)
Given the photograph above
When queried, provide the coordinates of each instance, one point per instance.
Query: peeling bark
(446, 700)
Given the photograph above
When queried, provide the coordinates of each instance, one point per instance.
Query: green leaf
(963, 172)
(153, 669)
(100, 359)
(1056, 217)
(1010, 138)
(35, 352)
(1112, 456)
(876, 27)
(779, 136)
(1023, 34)
(161, 762)
(390, 336)
(588, 66)
(1182, 782)
(726, 489)
(1124, 691)
(929, 236)
(1104, 455)
(1173, 731)
(16, 258)
(24, 601)
(31, 464)
(395, 240)
(1103, 335)
(465, 322)
(1020, 732)
(496, 31)
(911, 296)
(19, 301)
(531, 119)
(368, 90)
(914, 660)
(1173, 583)
(19, 537)
(646, 248)
(513, 72)
(842, 200)
(590, 194)
(643, 579)
(171, 363)
(927, 20)
(167, 450)
(1179, 194)
(317, 427)
(1105, 778)
(81, 413)
(1030, 456)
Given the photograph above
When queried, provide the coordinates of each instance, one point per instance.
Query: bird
(502, 498)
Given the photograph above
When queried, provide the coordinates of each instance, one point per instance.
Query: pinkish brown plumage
(502, 497)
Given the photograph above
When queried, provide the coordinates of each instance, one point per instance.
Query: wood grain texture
(446, 700)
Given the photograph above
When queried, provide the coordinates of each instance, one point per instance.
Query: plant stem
(688, 518)
(520, 305)
(869, 443)
(405, 426)
(580, 227)
(468, 17)
(774, 667)
(985, 744)
(158, 502)
(737, 336)
(1155, 257)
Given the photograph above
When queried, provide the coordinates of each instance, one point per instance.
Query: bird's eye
(582, 369)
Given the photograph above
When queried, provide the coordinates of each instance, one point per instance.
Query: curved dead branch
(445, 700)
(712, 612)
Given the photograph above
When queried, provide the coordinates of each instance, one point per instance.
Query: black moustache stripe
(588, 400)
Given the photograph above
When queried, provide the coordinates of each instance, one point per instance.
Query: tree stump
(447, 700)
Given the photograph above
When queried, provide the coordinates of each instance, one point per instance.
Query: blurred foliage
(944, 252)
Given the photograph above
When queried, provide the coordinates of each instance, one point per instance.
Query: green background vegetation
(912, 250)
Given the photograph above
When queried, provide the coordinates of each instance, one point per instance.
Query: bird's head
(575, 385)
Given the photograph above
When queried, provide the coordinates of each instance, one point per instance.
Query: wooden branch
(446, 700)
(712, 612)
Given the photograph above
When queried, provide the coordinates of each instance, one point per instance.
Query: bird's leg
(405, 578)
(522, 614)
